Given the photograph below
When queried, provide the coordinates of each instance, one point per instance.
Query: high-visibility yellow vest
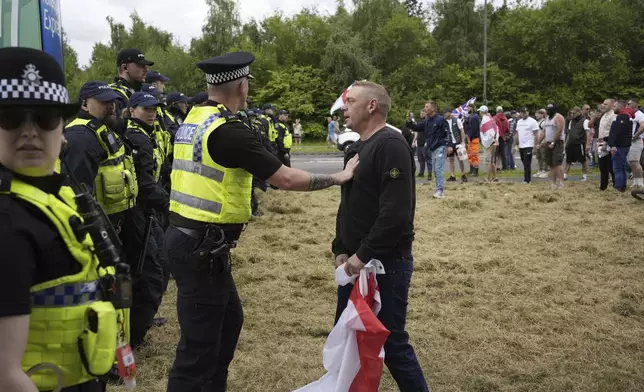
(156, 151)
(288, 138)
(203, 190)
(115, 184)
(59, 329)
(124, 92)
(272, 131)
(169, 115)
(164, 139)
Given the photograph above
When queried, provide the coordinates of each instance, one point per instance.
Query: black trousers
(210, 316)
(501, 151)
(526, 159)
(148, 278)
(605, 169)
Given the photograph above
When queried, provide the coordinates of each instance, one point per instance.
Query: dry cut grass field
(516, 288)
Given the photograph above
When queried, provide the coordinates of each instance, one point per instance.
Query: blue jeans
(438, 162)
(400, 357)
(620, 164)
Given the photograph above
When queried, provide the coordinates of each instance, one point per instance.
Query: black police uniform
(283, 153)
(209, 309)
(81, 157)
(152, 199)
(32, 251)
(124, 88)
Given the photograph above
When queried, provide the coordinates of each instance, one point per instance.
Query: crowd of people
(609, 138)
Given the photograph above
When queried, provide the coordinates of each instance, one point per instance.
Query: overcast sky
(85, 24)
(84, 20)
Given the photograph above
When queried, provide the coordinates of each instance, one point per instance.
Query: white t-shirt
(639, 117)
(459, 124)
(527, 129)
(551, 130)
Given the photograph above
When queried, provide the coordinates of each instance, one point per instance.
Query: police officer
(198, 100)
(50, 283)
(102, 159)
(132, 67)
(284, 138)
(177, 107)
(148, 159)
(158, 81)
(268, 120)
(216, 157)
(97, 156)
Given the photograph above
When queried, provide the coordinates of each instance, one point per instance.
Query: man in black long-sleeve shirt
(376, 221)
(437, 132)
(619, 140)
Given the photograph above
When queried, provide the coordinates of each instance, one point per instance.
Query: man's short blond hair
(377, 92)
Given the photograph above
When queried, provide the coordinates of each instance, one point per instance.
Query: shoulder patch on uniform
(94, 124)
(394, 173)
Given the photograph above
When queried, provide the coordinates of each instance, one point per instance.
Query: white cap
(499, 109)
(483, 109)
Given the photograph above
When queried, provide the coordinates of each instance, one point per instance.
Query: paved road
(328, 164)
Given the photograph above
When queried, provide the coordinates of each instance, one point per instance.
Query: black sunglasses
(47, 119)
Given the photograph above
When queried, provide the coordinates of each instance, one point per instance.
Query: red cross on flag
(353, 353)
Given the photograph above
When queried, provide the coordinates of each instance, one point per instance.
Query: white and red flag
(341, 100)
(353, 353)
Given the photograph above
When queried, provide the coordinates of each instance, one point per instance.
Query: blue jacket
(436, 131)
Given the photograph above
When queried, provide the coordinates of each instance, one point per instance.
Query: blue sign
(51, 29)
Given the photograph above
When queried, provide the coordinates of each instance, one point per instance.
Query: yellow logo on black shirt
(394, 173)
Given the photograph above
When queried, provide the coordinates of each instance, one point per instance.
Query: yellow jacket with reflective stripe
(60, 307)
(203, 190)
(156, 150)
(115, 184)
(163, 137)
(272, 131)
(288, 138)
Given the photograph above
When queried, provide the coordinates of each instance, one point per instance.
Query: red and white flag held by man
(341, 100)
(353, 353)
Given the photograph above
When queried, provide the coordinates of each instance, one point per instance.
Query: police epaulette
(94, 124)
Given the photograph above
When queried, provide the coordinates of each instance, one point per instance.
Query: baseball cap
(523, 110)
(154, 76)
(176, 97)
(267, 106)
(483, 109)
(143, 100)
(99, 91)
(150, 89)
(126, 56)
(283, 111)
(200, 98)
(499, 109)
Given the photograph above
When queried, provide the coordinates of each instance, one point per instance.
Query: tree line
(568, 51)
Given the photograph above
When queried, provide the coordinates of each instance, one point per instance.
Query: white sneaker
(584, 178)
(537, 174)
(439, 195)
(544, 175)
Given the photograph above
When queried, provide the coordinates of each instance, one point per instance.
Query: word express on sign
(51, 29)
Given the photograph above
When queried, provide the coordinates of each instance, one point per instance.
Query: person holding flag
(490, 141)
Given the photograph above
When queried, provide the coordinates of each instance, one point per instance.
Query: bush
(313, 131)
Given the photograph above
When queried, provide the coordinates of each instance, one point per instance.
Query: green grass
(313, 147)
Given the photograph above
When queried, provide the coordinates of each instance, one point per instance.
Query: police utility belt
(213, 247)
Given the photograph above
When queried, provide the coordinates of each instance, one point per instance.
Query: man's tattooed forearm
(320, 181)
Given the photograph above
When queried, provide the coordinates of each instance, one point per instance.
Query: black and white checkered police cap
(31, 77)
(226, 68)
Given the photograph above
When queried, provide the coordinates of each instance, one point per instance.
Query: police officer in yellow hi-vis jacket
(215, 159)
(57, 328)
(284, 138)
(101, 158)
